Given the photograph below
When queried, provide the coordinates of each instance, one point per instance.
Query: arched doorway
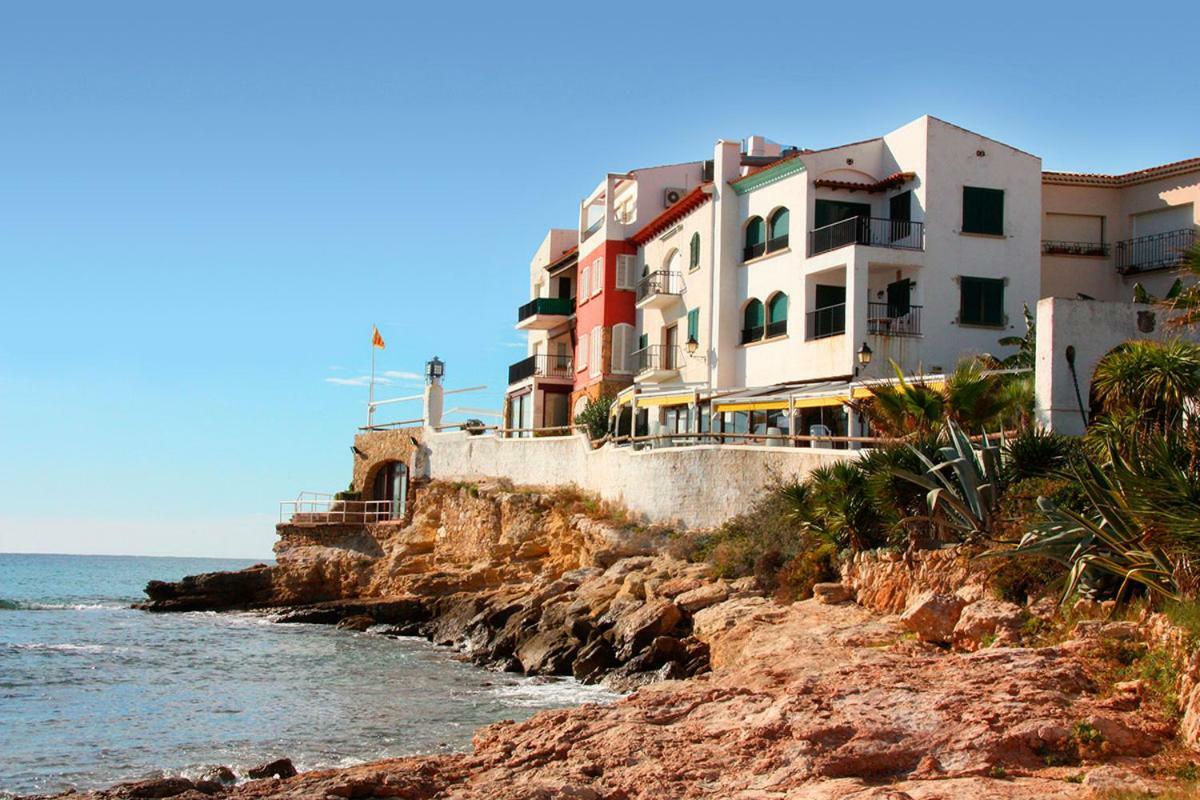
(390, 485)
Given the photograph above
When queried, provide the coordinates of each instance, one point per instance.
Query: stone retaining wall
(886, 581)
(691, 487)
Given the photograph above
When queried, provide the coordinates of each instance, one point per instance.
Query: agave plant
(1186, 300)
(1108, 542)
(963, 491)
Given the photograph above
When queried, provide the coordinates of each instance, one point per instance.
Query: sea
(93, 692)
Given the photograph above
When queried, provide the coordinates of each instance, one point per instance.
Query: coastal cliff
(907, 680)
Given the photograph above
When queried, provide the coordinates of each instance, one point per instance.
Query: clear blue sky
(205, 205)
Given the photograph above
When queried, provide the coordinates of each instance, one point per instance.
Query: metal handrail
(320, 507)
(1156, 251)
(659, 357)
(1059, 247)
(830, 319)
(900, 234)
(547, 365)
(886, 319)
(660, 282)
(563, 306)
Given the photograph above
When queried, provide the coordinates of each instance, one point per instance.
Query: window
(643, 341)
(752, 321)
(597, 276)
(622, 348)
(694, 325)
(756, 238)
(981, 301)
(778, 238)
(694, 252)
(983, 211)
(828, 317)
(674, 262)
(581, 354)
(596, 362)
(584, 284)
(777, 311)
(626, 272)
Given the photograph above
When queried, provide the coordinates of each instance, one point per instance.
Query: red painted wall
(607, 308)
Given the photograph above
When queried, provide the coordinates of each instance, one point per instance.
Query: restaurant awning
(682, 398)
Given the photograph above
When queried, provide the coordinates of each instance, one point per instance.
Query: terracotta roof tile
(1126, 179)
(891, 181)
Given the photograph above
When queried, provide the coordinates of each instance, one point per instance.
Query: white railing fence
(325, 507)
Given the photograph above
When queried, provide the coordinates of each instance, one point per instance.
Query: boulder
(219, 774)
(832, 593)
(635, 630)
(592, 661)
(155, 787)
(549, 652)
(279, 768)
(985, 622)
(932, 616)
(702, 597)
(358, 622)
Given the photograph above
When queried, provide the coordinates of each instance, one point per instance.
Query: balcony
(885, 319)
(759, 332)
(658, 362)
(590, 229)
(870, 231)
(753, 251)
(541, 365)
(1159, 251)
(659, 289)
(544, 313)
(826, 322)
(1054, 247)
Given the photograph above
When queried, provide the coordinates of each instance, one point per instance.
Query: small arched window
(694, 252)
(777, 313)
(673, 262)
(778, 234)
(752, 321)
(756, 238)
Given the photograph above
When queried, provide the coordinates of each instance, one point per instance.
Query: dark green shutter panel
(643, 341)
(899, 297)
(982, 301)
(694, 324)
(830, 295)
(983, 210)
(993, 302)
(778, 310)
(900, 207)
(754, 314)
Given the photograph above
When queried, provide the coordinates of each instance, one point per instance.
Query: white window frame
(597, 276)
(583, 291)
(624, 337)
(627, 272)
(596, 360)
(581, 354)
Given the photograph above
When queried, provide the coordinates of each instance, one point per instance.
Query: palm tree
(1026, 355)
(1158, 380)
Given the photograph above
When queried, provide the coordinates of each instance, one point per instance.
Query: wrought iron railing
(778, 328)
(752, 334)
(1056, 247)
(871, 231)
(753, 251)
(546, 305)
(545, 365)
(658, 357)
(890, 319)
(1159, 251)
(660, 282)
(827, 321)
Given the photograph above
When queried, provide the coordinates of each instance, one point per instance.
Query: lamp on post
(864, 357)
(435, 368)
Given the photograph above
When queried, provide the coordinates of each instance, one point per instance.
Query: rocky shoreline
(734, 695)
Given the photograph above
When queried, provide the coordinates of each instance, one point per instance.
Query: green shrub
(594, 415)
(795, 580)
(1036, 453)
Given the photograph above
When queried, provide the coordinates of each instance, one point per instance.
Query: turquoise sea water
(92, 692)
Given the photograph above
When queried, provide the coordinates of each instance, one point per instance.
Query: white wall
(692, 487)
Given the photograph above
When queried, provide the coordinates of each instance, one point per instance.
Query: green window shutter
(694, 324)
(981, 301)
(983, 210)
(899, 297)
(643, 341)
(755, 232)
(694, 256)
(754, 314)
(779, 309)
(779, 223)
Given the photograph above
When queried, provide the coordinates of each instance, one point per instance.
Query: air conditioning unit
(672, 196)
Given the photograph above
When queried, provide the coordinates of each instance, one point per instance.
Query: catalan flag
(376, 339)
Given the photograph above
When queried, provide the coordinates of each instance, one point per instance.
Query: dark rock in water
(279, 768)
(594, 659)
(219, 774)
(213, 591)
(209, 787)
(358, 622)
(155, 787)
(404, 611)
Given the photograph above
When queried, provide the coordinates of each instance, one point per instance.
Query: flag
(376, 339)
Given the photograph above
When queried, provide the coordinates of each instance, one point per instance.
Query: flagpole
(371, 390)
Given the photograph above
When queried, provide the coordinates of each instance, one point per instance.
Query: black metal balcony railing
(1159, 251)
(1054, 247)
(546, 305)
(660, 282)
(871, 231)
(658, 357)
(825, 322)
(543, 365)
(776, 328)
(778, 243)
(753, 251)
(886, 319)
(752, 334)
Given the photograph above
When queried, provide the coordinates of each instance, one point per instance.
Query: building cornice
(1127, 179)
(774, 173)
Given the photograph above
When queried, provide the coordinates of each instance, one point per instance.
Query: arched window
(694, 255)
(777, 311)
(674, 261)
(778, 238)
(752, 321)
(756, 239)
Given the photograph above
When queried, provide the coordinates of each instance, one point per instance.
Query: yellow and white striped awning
(654, 400)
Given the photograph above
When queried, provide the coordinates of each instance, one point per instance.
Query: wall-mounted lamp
(864, 355)
(692, 345)
(358, 452)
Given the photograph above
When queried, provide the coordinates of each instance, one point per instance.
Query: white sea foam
(68, 647)
(539, 693)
